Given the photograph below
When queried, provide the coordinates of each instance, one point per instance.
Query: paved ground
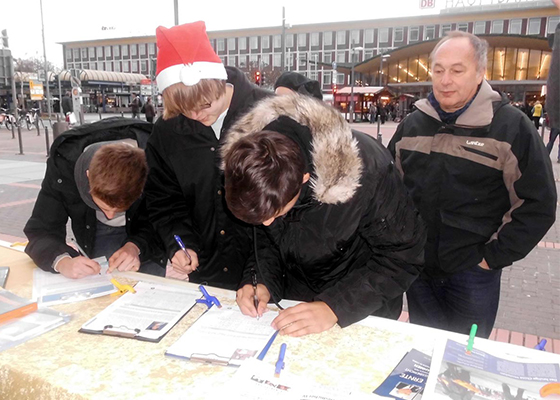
(530, 300)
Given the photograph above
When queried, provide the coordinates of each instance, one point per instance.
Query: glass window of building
(277, 60)
(383, 35)
(522, 64)
(368, 53)
(534, 27)
(497, 27)
(552, 23)
(341, 79)
(265, 42)
(289, 61)
(515, 27)
(116, 51)
(86, 65)
(340, 56)
(368, 36)
(444, 29)
(151, 49)
(355, 36)
(398, 34)
(254, 60)
(341, 37)
(144, 66)
(134, 50)
(76, 53)
(231, 44)
(328, 57)
(134, 67)
(69, 54)
(242, 43)
(277, 41)
(327, 38)
(254, 42)
(118, 67)
(108, 51)
(109, 65)
(423, 67)
(289, 40)
(231, 61)
(327, 78)
(221, 45)
(302, 39)
(99, 52)
(302, 60)
(463, 27)
(315, 39)
(91, 52)
(84, 53)
(429, 32)
(414, 33)
(479, 27)
(315, 57)
(124, 51)
(142, 49)
(78, 65)
(313, 75)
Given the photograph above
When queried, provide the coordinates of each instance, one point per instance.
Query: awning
(361, 90)
(104, 76)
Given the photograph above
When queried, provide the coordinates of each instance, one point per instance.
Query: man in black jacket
(95, 176)
(340, 231)
(184, 190)
(482, 180)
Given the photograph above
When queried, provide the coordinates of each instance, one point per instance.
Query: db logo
(427, 3)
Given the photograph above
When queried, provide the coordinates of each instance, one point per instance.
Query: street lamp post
(379, 135)
(352, 50)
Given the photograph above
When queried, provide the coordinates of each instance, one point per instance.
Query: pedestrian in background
(536, 114)
(135, 106)
(482, 181)
(149, 110)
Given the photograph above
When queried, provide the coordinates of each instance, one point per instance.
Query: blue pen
(541, 345)
(182, 245)
(208, 299)
(280, 362)
(265, 348)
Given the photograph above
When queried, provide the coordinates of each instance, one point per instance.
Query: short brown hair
(263, 173)
(117, 174)
(181, 99)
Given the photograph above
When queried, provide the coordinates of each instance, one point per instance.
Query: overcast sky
(70, 20)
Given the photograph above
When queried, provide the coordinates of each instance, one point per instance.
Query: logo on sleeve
(475, 143)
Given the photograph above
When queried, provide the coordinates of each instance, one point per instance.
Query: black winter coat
(354, 239)
(185, 190)
(484, 185)
(59, 198)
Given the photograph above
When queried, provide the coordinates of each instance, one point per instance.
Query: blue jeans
(456, 302)
(109, 239)
(551, 139)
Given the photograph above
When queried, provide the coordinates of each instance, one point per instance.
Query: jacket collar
(336, 160)
(479, 113)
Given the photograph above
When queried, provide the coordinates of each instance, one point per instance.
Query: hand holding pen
(253, 302)
(184, 260)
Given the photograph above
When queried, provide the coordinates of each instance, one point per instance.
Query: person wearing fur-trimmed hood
(337, 228)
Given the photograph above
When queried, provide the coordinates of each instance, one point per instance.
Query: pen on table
(267, 346)
(470, 344)
(182, 245)
(280, 362)
(255, 298)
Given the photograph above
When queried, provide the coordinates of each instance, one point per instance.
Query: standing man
(67, 106)
(135, 106)
(482, 180)
(185, 193)
(149, 110)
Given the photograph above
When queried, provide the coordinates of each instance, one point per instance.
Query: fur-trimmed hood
(335, 154)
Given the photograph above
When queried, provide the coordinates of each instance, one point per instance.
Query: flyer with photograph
(408, 379)
(456, 374)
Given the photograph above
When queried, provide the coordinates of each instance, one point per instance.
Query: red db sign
(427, 4)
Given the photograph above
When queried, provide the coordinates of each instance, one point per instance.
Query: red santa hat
(185, 55)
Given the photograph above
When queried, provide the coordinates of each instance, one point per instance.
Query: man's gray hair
(480, 47)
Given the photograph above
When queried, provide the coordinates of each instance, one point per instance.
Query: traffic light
(257, 78)
(334, 89)
(5, 38)
(262, 79)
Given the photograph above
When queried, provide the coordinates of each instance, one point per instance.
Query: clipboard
(224, 336)
(146, 315)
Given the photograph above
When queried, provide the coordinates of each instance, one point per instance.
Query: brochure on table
(147, 314)
(491, 371)
(51, 289)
